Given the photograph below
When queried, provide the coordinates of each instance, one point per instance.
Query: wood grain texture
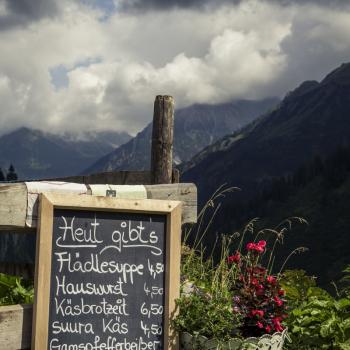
(13, 203)
(162, 140)
(15, 327)
(115, 178)
(42, 275)
(184, 192)
(111, 177)
(172, 274)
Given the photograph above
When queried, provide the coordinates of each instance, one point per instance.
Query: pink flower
(278, 301)
(271, 279)
(259, 324)
(281, 292)
(257, 247)
(277, 324)
(268, 329)
(250, 246)
(259, 313)
(236, 258)
(254, 282)
(262, 244)
(260, 289)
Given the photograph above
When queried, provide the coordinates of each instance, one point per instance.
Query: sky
(83, 65)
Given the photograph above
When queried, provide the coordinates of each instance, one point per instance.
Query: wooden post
(162, 140)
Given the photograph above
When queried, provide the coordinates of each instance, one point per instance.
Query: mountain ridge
(39, 154)
(194, 128)
(296, 130)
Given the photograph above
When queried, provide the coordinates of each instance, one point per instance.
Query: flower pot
(266, 342)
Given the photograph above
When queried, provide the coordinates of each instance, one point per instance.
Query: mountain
(311, 120)
(194, 128)
(36, 154)
(288, 163)
(319, 191)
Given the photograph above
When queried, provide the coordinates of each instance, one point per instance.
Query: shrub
(318, 320)
(14, 290)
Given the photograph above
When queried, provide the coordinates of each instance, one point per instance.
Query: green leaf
(342, 304)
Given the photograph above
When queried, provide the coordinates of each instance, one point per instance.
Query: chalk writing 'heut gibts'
(107, 281)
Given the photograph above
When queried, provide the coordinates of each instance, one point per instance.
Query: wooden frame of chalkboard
(51, 202)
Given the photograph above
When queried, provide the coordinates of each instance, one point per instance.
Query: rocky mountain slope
(36, 154)
(195, 127)
(312, 120)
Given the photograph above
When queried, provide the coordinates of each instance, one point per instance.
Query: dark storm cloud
(165, 4)
(168, 4)
(22, 12)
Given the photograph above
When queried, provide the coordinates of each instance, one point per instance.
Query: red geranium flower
(259, 324)
(254, 282)
(271, 279)
(257, 247)
(278, 301)
(277, 324)
(259, 313)
(260, 289)
(236, 258)
(262, 244)
(250, 246)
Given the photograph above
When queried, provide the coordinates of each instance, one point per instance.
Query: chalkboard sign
(107, 273)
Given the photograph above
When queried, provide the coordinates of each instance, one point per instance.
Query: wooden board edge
(172, 275)
(15, 326)
(16, 307)
(42, 275)
(88, 202)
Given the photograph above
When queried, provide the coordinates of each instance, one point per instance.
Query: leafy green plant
(299, 287)
(317, 320)
(207, 315)
(14, 290)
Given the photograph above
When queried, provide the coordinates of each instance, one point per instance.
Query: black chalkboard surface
(108, 287)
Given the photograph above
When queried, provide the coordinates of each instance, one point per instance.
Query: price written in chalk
(153, 329)
(155, 269)
(151, 309)
(152, 291)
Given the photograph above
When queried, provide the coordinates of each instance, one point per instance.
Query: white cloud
(251, 50)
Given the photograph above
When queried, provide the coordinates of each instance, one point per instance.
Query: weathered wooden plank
(176, 176)
(15, 327)
(185, 192)
(162, 140)
(115, 178)
(112, 178)
(13, 202)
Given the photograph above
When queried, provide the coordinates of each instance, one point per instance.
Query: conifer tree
(2, 177)
(11, 174)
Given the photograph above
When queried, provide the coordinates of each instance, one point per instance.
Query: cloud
(141, 5)
(76, 71)
(161, 5)
(22, 12)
